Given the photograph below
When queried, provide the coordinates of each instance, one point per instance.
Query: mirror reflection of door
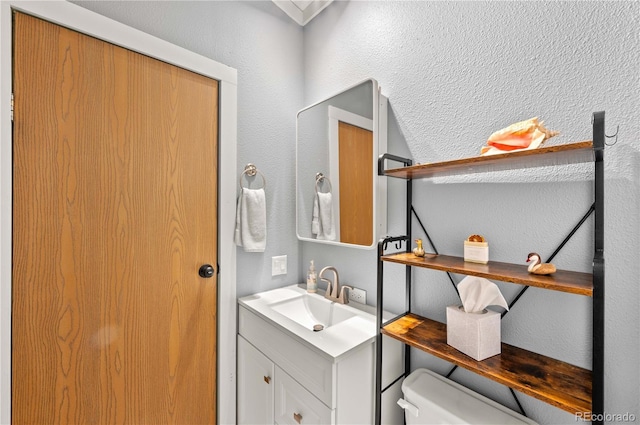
(351, 152)
(355, 146)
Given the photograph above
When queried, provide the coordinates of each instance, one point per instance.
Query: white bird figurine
(537, 266)
(418, 251)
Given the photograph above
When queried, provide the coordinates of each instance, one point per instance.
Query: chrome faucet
(334, 291)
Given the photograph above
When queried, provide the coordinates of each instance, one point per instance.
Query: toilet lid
(440, 400)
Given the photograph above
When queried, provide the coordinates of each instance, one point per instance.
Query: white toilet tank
(430, 398)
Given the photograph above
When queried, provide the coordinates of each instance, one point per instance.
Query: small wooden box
(475, 334)
(476, 252)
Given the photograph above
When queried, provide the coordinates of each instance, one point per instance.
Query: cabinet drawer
(295, 405)
(305, 365)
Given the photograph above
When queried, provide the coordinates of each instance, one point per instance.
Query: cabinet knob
(297, 417)
(267, 379)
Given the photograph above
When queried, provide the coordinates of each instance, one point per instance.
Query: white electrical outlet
(358, 295)
(278, 265)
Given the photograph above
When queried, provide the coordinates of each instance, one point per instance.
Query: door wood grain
(114, 211)
(356, 184)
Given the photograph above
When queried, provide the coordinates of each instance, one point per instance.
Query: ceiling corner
(302, 11)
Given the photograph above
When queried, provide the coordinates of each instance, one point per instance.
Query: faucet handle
(327, 293)
(344, 299)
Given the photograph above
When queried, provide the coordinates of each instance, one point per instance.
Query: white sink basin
(311, 310)
(296, 312)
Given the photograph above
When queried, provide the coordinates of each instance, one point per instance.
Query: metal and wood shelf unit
(563, 385)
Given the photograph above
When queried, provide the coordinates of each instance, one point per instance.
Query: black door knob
(206, 271)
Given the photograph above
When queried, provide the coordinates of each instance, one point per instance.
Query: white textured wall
(265, 46)
(455, 72)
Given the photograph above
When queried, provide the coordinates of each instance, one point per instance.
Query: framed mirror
(340, 199)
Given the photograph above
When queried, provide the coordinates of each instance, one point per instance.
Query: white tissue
(476, 293)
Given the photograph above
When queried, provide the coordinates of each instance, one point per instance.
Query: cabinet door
(295, 405)
(255, 385)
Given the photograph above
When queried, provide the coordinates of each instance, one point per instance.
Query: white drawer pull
(297, 417)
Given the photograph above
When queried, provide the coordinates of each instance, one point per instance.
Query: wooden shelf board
(571, 153)
(561, 280)
(560, 384)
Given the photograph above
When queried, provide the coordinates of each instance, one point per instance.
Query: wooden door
(356, 184)
(114, 211)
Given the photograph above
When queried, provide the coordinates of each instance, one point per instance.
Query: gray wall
(455, 72)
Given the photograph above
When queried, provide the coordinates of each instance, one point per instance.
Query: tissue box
(476, 252)
(475, 334)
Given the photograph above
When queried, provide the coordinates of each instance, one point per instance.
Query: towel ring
(322, 178)
(251, 171)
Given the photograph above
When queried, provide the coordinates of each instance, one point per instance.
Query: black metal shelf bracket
(597, 370)
(381, 170)
(382, 246)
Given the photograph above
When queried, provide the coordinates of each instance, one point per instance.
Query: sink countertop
(335, 341)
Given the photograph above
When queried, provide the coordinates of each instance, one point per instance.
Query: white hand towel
(315, 220)
(251, 220)
(322, 223)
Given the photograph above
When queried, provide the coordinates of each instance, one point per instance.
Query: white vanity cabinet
(283, 379)
(268, 395)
